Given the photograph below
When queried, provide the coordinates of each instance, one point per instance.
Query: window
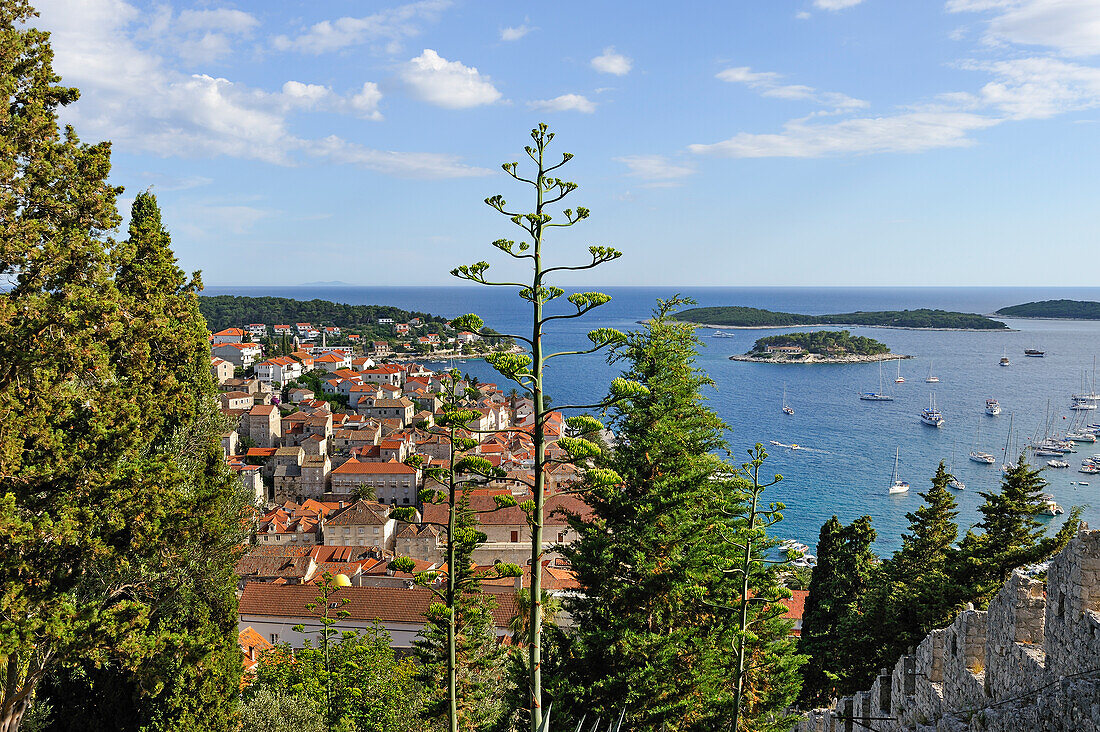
(274, 637)
(515, 536)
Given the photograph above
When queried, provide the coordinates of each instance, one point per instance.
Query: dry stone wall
(1031, 662)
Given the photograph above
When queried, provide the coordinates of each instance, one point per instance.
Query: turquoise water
(847, 465)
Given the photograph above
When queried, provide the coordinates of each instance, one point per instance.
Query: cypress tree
(653, 630)
(920, 593)
(836, 634)
(1010, 535)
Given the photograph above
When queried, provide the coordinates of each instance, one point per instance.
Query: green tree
(766, 679)
(370, 690)
(836, 634)
(459, 646)
(527, 370)
(919, 593)
(112, 489)
(279, 710)
(653, 631)
(1010, 535)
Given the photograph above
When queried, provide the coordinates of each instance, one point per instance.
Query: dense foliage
(226, 311)
(825, 342)
(659, 611)
(370, 690)
(921, 318)
(862, 613)
(118, 518)
(1069, 309)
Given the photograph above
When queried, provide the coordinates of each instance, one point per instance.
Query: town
(326, 468)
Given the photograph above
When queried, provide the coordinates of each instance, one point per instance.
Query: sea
(847, 446)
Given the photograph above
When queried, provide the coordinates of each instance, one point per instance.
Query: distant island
(743, 317)
(1060, 309)
(225, 311)
(821, 346)
(327, 283)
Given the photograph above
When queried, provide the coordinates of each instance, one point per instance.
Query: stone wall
(1031, 662)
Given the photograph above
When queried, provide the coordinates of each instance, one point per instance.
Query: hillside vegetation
(225, 311)
(1070, 309)
(745, 317)
(824, 342)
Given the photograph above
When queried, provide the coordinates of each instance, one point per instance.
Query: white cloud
(1038, 88)
(365, 102)
(387, 28)
(610, 62)
(802, 15)
(836, 4)
(402, 164)
(1072, 27)
(449, 84)
(904, 133)
(767, 83)
(220, 19)
(564, 103)
(514, 33)
(134, 97)
(656, 168)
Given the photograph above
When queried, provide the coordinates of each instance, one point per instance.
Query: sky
(750, 142)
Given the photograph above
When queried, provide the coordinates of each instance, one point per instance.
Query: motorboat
(992, 407)
(1057, 464)
(1034, 353)
(1004, 358)
(932, 416)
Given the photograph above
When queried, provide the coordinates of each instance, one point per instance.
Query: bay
(849, 444)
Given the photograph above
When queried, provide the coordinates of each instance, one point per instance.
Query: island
(820, 346)
(223, 311)
(922, 319)
(1057, 309)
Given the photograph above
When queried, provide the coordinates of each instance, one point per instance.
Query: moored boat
(898, 486)
(1034, 353)
(992, 407)
(932, 416)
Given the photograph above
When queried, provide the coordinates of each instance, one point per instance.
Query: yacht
(1057, 464)
(931, 379)
(992, 407)
(900, 379)
(953, 482)
(1050, 507)
(1081, 436)
(720, 334)
(1004, 358)
(876, 396)
(787, 409)
(1034, 353)
(932, 416)
(898, 486)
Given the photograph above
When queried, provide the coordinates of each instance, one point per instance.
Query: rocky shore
(818, 358)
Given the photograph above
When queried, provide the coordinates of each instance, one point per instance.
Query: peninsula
(923, 319)
(1057, 309)
(822, 346)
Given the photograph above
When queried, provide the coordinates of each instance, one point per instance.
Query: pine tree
(1010, 535)
(652, 629)
(836, 634)
(919, 593)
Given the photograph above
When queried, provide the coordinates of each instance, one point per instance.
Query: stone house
(264, 425)
(363, 523)
(221, 369)
(237, 400)
(393, 482)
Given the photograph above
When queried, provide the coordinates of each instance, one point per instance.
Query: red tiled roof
(354, 467)
(365, 603)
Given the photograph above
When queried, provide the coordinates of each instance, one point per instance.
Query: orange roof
(231, 332)
(354, 467)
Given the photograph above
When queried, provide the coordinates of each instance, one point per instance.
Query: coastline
(846, 325)
(816, 358)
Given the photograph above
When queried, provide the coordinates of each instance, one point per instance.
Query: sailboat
(932, 416)
(977, 455)
(952, 481)
(787, 409)
(876, 396)
(898, 486)
(900, 379)
(1004, 358)
(931, 379)
(1005, 465)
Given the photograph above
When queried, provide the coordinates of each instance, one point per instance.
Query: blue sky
(815, 142)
